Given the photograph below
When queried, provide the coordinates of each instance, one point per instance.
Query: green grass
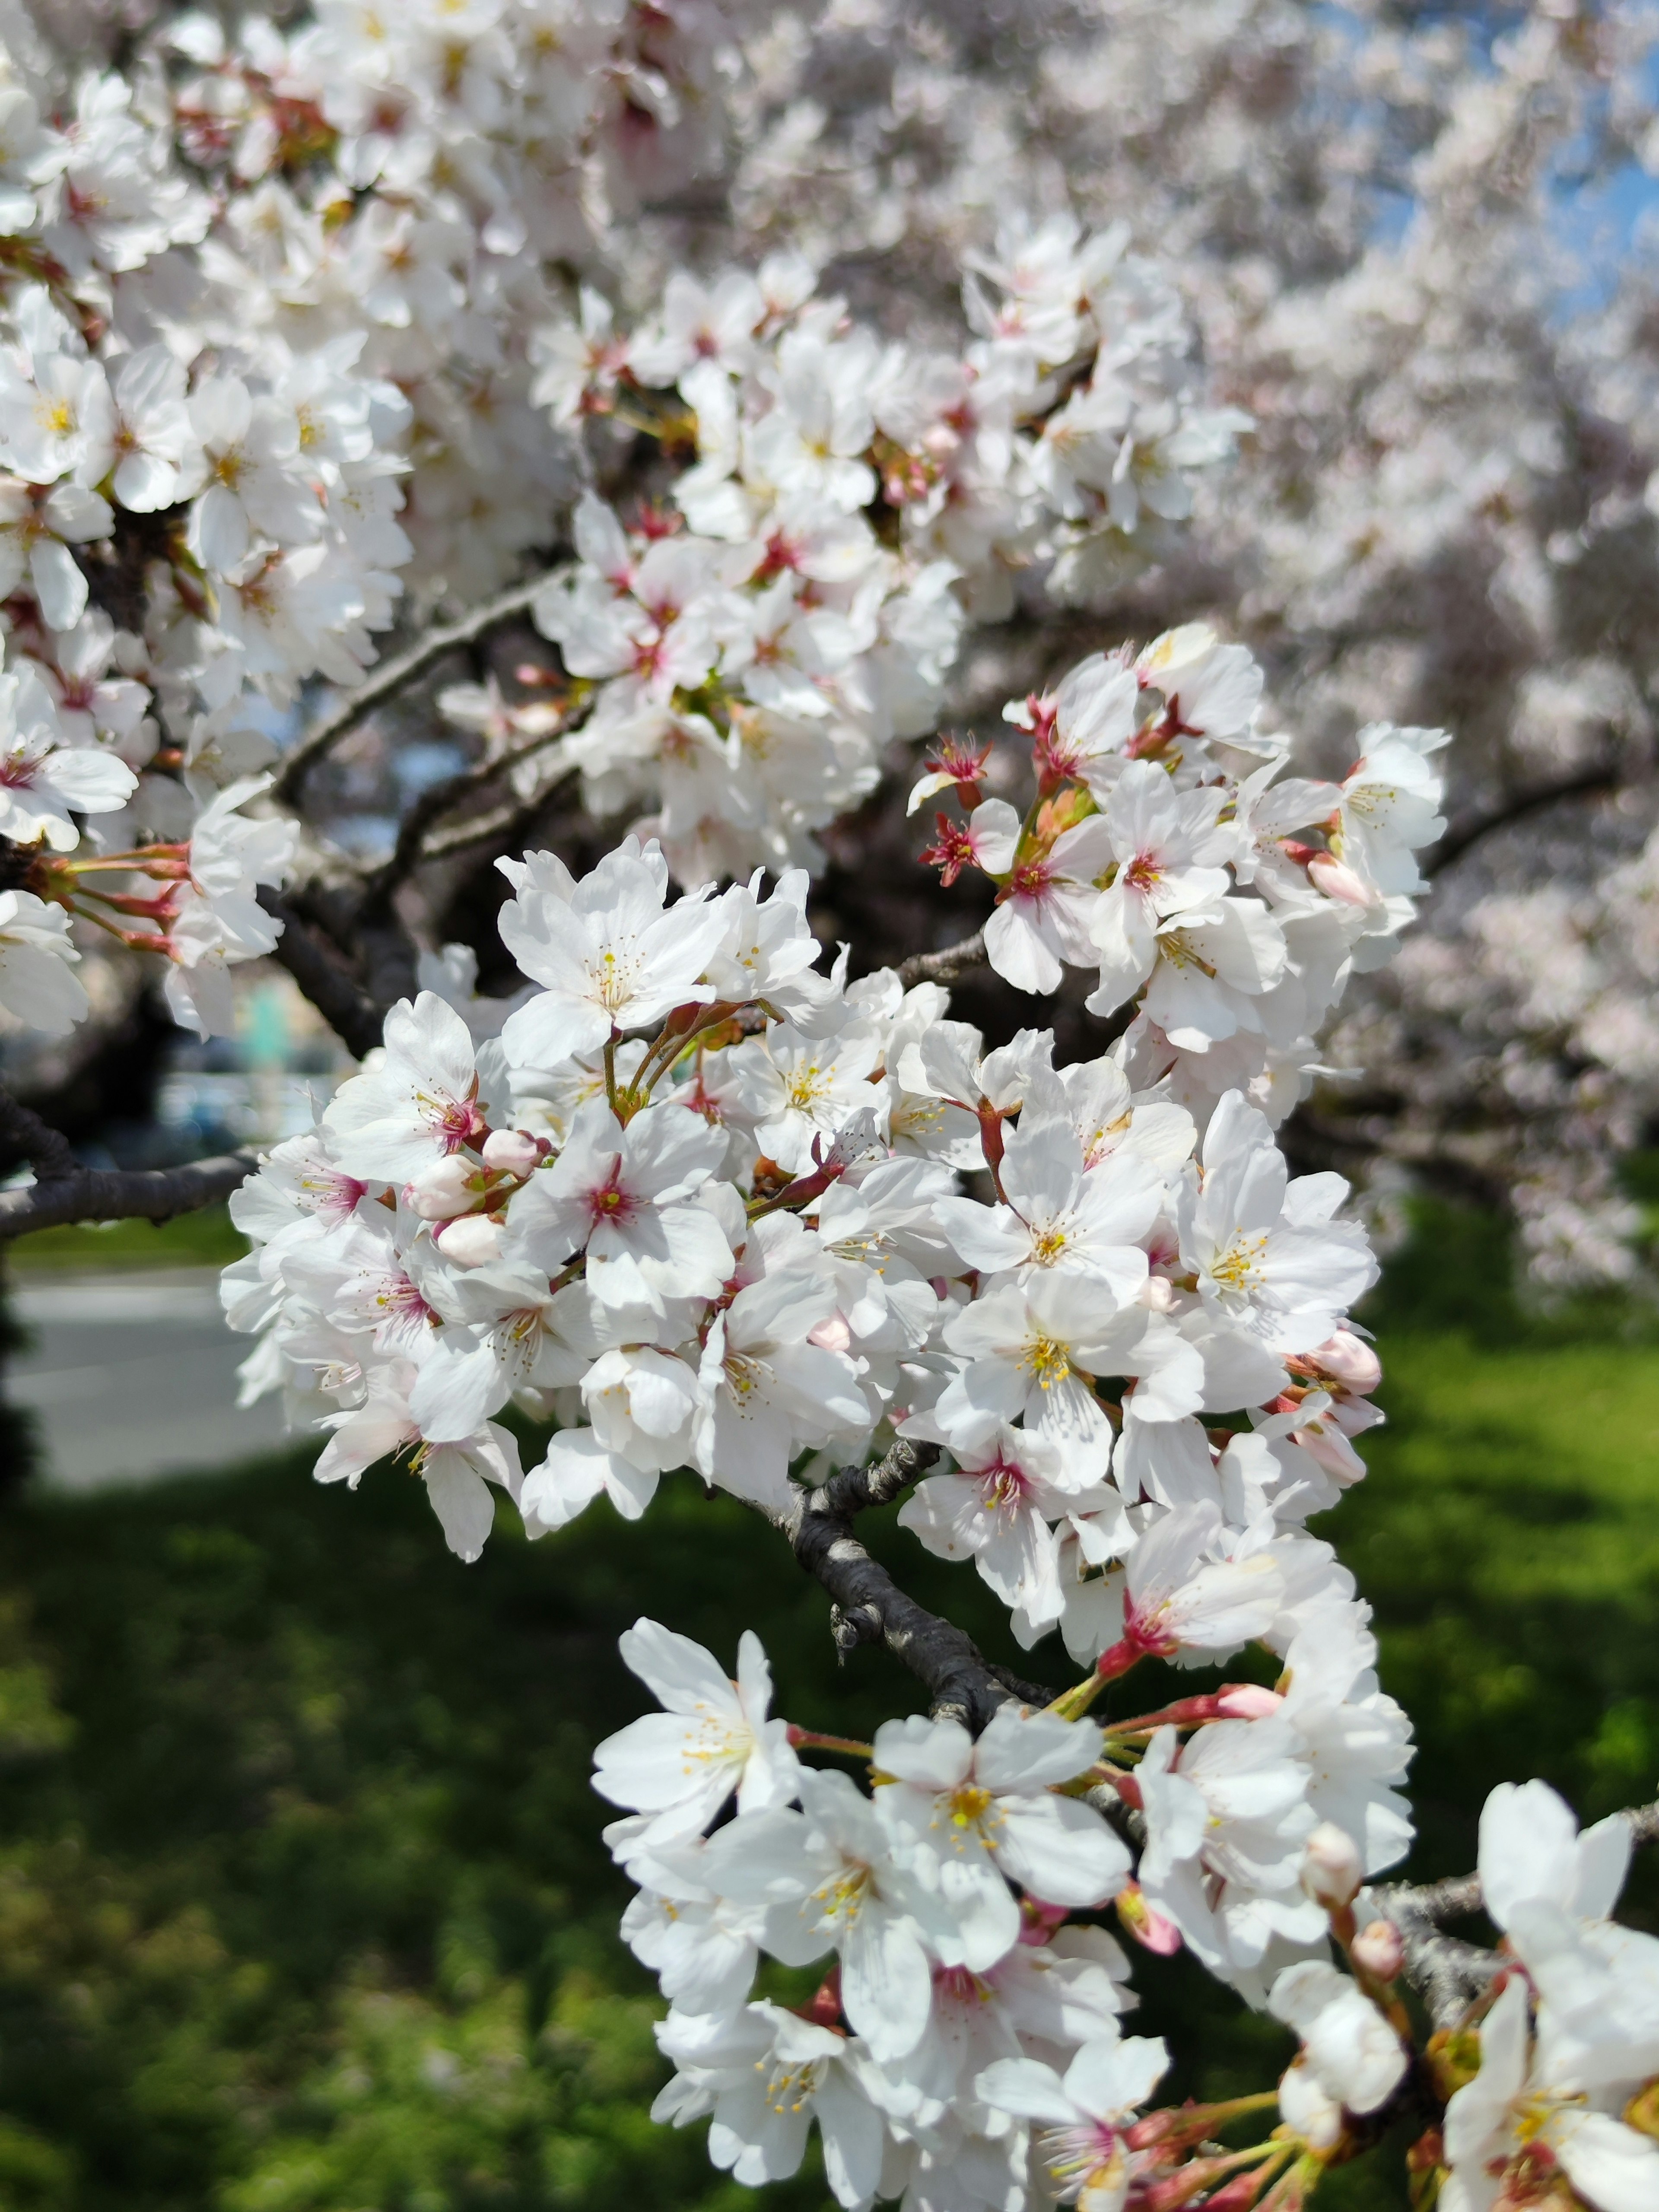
(302, 1904)
(206, 1239)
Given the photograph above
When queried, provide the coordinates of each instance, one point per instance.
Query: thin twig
(413, 845)
(64, 1191)
(393, 675)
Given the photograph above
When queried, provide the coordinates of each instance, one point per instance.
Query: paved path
(133, 1375)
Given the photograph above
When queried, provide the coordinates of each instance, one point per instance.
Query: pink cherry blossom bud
(1349, 1360)
(1158, 1293)
(1338, 880)
(1378, 1949)
(470, 1241)
(1332, 1869)
(833, 1334)
(1149, 1928)
(511, 1151)
(1246, 1701)
(444, 1189)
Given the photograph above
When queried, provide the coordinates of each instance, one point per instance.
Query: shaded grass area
(204, 1239)
(302, 1903)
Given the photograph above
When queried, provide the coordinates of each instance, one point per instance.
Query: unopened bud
(1377, 1948)
(1149, 1928)
(470, 1241)
(1338, 880)
(1158, 1293)
(1246, 1701)
(445, 1189)
(1349, 1360)
(511, 1151)
(1332, 1869)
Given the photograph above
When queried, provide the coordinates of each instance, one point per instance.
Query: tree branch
(944, 966)
(869, 1607)
(1445, 1971)
(341, 1001)
(393, 675)
(413, 847)
(64, 1191)
(1470, 829)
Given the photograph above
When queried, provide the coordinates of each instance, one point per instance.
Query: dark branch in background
(322, 975)
(869, 1607)
(413, 846)
(66, 1191)
(1446, 1971)
(393, 675)
(1469, 829)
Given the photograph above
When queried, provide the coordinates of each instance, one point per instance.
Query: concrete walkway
(133, 1375)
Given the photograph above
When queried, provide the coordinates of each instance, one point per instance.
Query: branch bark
(64, 1191)
(1446, 1971)
(395, 674)
(945, 965)
(354, 1016)
(869, 1607)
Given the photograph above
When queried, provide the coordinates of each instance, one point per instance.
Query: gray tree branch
(391, 676)
(1446, 1971)
(64, 1191)
(945, 965)
(868, 1605)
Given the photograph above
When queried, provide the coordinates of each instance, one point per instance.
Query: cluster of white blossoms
(849, 506)
(288, 336)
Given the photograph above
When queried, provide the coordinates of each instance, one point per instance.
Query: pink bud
(445, 1189)
(1149, 1928)
(1338, 881)
(1246, 1701)
(470, 1241)
(1158, 1293)
(1349, 1360)
(1378, 1949)
(1332, 1869)
(832, 1335)
(511, 1151)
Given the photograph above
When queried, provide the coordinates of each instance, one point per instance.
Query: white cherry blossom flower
(713, 1737)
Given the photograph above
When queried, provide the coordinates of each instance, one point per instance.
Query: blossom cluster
(848, 505)
(265, 319)
(1227, 902)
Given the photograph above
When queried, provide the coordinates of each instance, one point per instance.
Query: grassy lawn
(302, 1906)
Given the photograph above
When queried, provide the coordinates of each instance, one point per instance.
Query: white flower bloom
(713, 1737)
(1084, 2115)
(833, 1877)
(38, 983)
(1513, 2121)
(620, 1195)
(418, 1105)
(997, 1509)
(978, 1815)
(1351, 2050)
(766, 2075)
(1058, 1213)
(1264, 1249)
(607, 956)
(768, 1390)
